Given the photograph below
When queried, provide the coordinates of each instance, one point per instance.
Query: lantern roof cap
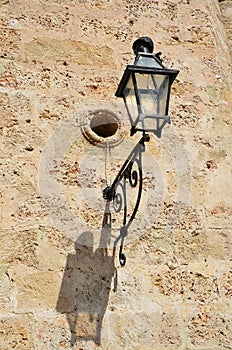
(148, 60)
(143, 44)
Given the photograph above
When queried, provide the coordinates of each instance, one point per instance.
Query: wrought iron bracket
(134, 177)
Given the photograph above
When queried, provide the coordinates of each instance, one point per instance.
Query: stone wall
(61, 284)
(226, 10)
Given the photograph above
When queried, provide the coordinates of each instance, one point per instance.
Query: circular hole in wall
(102, 127)
(104, 123)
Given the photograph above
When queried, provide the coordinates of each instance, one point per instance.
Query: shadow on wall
(86, 284)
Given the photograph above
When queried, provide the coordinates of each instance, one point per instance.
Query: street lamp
(145, 87)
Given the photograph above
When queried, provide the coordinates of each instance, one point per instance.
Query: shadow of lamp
(145, 88)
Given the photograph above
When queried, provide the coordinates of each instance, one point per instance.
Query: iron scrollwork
(117, 191)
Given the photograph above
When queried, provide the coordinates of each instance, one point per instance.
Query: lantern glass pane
(153, 93)
(130, 100)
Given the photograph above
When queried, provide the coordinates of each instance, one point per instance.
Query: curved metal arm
(125, 175)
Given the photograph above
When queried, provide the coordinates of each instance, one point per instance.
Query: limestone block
(53, 18)
(29, 210)
(226, 10)
(48, 49)
(36, 290)
(18, 246)
(141, 295)
(58, 107)
(10, 43)
(139, 330)
(16, 332)
(49, 257)
(210, 327)
(219, 241)
(200, 284)
(115, 27)
(17, 103)
(52, 332)
(16, 197)
(49, 236)
(5, 290)
(190, 244)
(8, 119)
(7, 75)
(50, 78)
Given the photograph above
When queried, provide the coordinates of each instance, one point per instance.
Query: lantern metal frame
(153, 67)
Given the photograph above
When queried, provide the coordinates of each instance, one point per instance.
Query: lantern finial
(143, 44)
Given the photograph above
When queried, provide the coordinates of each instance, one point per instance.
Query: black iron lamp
(145, 88)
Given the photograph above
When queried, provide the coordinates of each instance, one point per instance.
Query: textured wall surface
(60, 284)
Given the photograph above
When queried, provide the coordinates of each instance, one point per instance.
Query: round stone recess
(102, 126)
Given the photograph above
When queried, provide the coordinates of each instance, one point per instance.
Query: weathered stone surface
(70, 51)
(5, 290)
(226, 10)
(52, 331)
(16, 332)
(60, 62)
(36, 290)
